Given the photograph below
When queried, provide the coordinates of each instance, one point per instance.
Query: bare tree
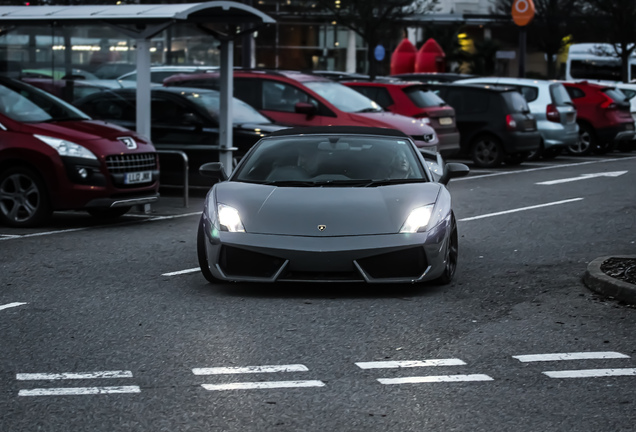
(618, 18)
(374, 20)
(551, 24)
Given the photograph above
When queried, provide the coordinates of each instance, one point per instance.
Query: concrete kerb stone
(596, 280)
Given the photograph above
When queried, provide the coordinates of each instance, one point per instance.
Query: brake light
(608, 103)
(552, 114)
(511, 124)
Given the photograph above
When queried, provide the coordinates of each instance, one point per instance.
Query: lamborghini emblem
(322, 227)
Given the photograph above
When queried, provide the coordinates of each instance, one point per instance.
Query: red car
(604, 118)
(298, 99)
(54, 157)
(412, 99)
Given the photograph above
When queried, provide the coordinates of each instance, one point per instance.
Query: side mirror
(213, 170)
(305, 108)
(453, 170)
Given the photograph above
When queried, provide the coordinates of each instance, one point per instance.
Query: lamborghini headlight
(67, 148)
(418, 219)
(229, 219)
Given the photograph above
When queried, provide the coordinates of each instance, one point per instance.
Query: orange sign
(522, 12)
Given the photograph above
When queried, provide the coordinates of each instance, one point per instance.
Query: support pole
(143, 87)
(226, 114)
(522, 52)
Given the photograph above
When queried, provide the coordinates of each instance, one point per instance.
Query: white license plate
(445, 120)
(138, 177)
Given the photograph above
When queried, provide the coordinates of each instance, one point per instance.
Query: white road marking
(46, 233)
(590, 373)
(10, 305)
(583, 177)
(263, 385)
(520, 209)
(74, 391)
(542, 168)
(408, 364)
(600, 355)
(250, 369)
(432, 379)
(7, 236)
(180, 272)
(73, 375)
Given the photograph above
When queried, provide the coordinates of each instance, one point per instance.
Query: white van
(596, 62)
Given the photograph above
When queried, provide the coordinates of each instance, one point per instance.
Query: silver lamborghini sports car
(331, 204)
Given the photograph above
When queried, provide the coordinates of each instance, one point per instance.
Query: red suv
(54, 157)
(604, 118)
(413, 99)
(298, 99)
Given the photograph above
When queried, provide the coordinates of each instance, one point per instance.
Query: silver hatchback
(552, 107)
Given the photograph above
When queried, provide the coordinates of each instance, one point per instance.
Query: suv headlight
(67, 148)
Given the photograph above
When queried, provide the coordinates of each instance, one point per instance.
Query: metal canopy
(142, 22)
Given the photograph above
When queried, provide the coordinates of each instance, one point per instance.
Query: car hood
(409, 125)
(343, 211)
(83, 130)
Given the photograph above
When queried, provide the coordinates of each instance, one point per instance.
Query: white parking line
(542, 168)
(75, 391)
(409, 364)
(10, 305)
(73, 375)
(432, 379)
(590, 373)
(520, 209)
(600, 355)
(263, 385)
(46, 233)
(180, 272)
(250, 369)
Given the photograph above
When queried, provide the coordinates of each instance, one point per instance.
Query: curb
(596, 280)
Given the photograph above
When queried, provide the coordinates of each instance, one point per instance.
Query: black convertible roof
(339, 130)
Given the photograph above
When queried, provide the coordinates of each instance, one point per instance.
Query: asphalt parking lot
(110, 326)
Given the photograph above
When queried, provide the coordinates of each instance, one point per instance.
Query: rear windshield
(559, 94)
(423, 98)
(616, 95)
(515, 102)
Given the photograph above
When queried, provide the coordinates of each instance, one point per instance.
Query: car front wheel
(24, 201)
(203, 256)
(452, 254)
(487, 152)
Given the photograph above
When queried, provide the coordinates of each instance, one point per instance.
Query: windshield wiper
(385, 182)
(292, 183)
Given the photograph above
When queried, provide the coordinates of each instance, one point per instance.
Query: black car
(495, 124)
(185, 119)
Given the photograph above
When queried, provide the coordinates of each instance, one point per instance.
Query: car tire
(586, 142)
(24, 199)
(203, 256)
(452, 254)
(487, 151)
(108, 212)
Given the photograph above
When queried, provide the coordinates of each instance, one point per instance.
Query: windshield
(326, 160)
(24, 103)
(342, 97)
(211, 102)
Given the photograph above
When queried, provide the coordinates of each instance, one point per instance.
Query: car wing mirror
(214, 170)
(305, 108)
(453, 170)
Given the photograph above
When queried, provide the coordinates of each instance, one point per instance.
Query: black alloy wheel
(24, 200)
(487, 151)
(452, 255)
(203, 256)
(586, 142)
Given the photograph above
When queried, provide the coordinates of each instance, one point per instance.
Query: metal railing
(184, 158)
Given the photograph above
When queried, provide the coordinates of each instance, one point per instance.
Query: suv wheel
(487, 151)
(586, 142)
(23, 198)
